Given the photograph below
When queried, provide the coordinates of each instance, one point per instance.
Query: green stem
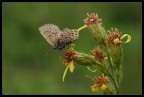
(111, 66)
(89, 60)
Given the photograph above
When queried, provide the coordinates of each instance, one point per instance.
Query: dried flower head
(68, 55)
(92, 18)
(100, 83)
(101, 80)
(114, 37)
(99, 54)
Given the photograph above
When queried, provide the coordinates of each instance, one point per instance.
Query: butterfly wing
(72, 34)
(51, 33)
(64, 37)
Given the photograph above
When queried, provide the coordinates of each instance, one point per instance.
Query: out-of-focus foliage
(29, 64)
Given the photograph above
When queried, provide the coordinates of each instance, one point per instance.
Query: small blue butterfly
(56, 38)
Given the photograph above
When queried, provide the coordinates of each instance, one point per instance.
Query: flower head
(100, 83)
(114, 37)
(68, 56)
(92, 19)
(99, 54)
(102, 80)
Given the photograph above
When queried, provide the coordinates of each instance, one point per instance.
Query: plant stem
(111, 66)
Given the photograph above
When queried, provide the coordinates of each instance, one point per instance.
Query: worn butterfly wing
(51, 33)
(72, 34)
(64, 37)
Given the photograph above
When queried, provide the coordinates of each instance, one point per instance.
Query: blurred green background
(29, 64)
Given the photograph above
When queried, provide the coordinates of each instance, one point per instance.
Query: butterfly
(56, 38)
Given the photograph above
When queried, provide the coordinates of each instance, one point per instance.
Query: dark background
(29, 64)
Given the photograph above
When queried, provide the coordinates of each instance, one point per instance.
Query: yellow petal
(94, 88)
(116, 41)
(128, 38)
(85, 26)
(104, 87)
(106, 77)
(105, 58)
(71, 66)
(65, 72)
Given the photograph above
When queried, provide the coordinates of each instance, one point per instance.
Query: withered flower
(99, 54)
(101, 82)
(68, 56)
